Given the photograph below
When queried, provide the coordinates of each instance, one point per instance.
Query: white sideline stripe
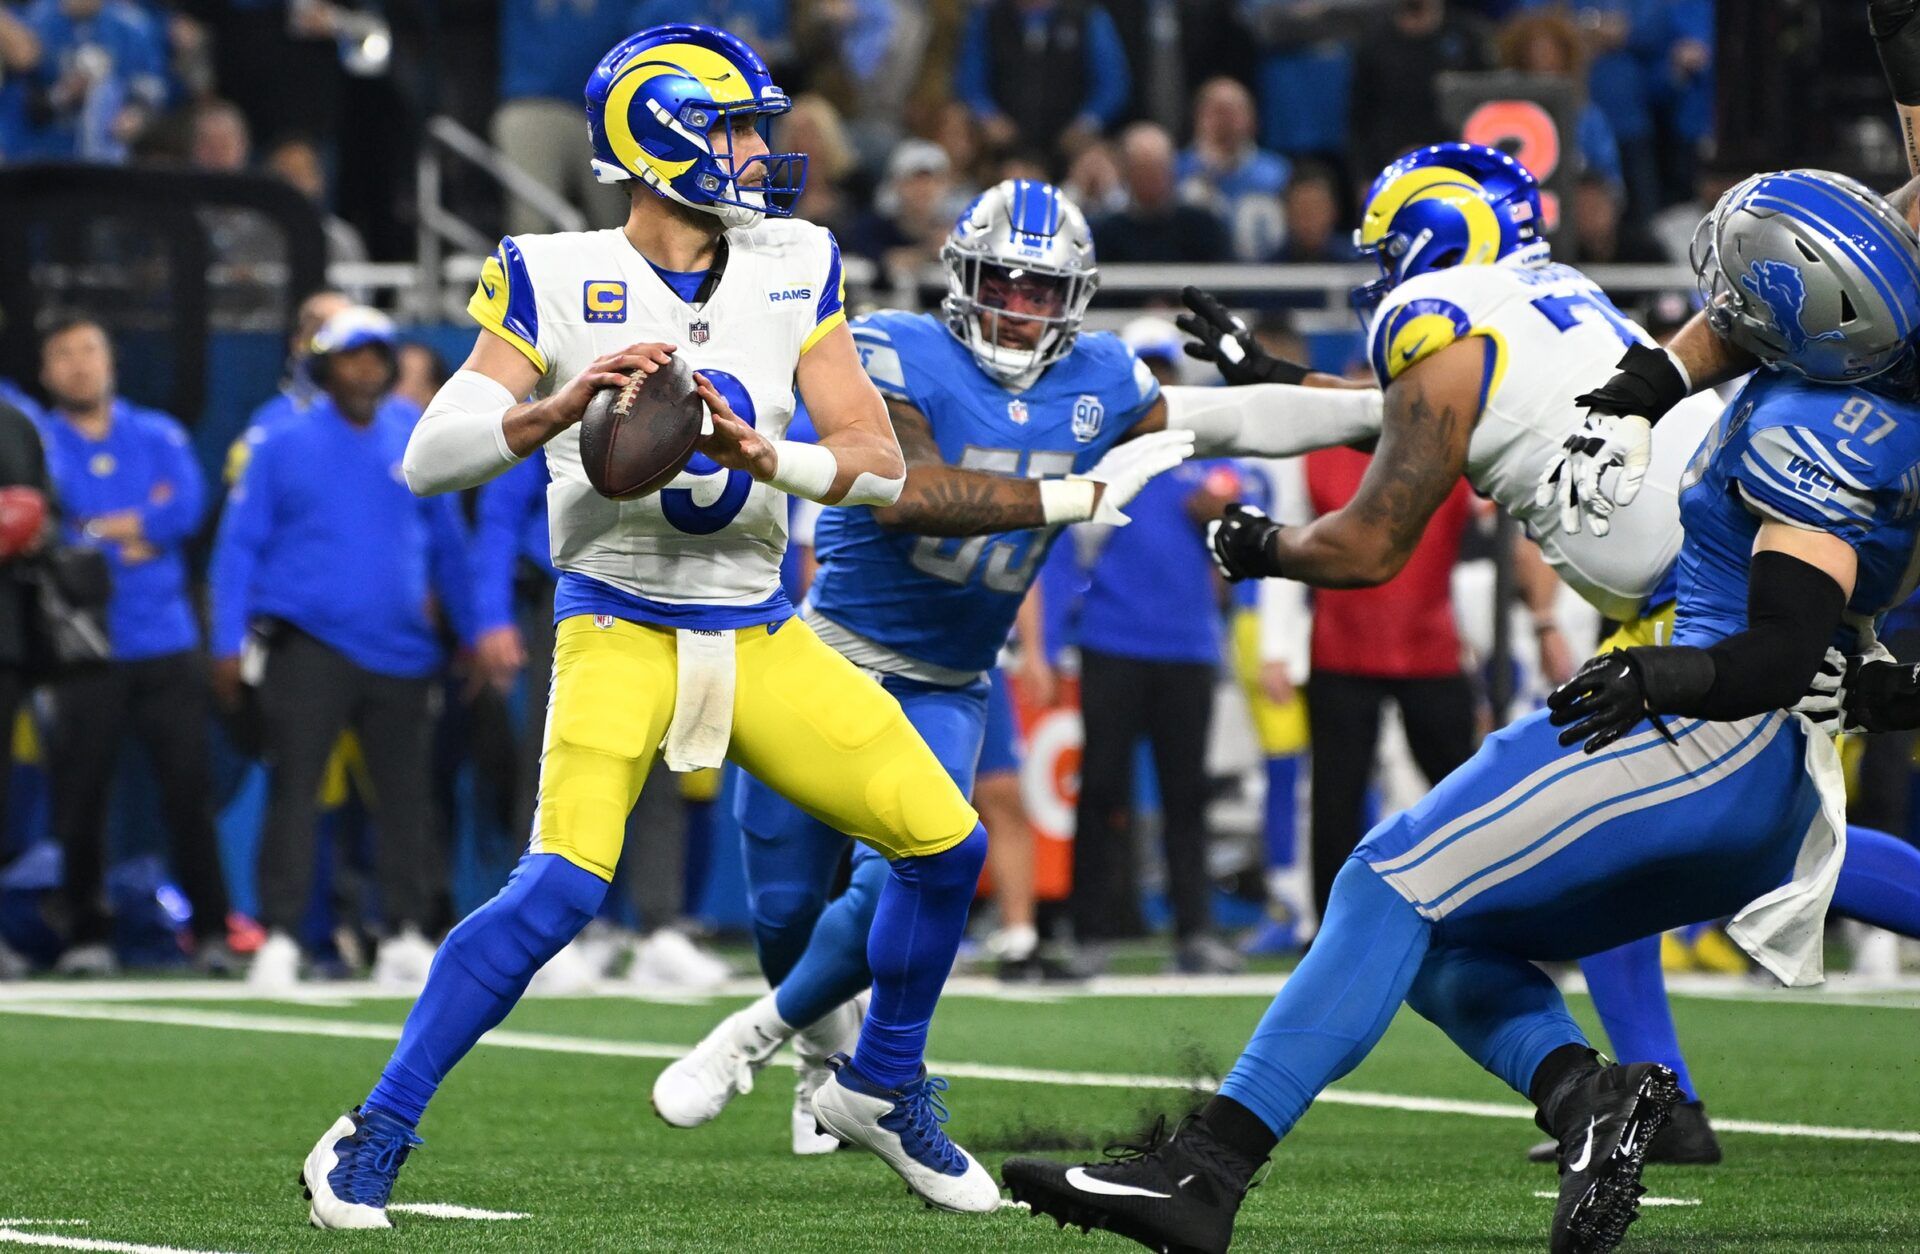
(49, 1240)
(507, 1039)
(447, 1210)
(1645, 1201)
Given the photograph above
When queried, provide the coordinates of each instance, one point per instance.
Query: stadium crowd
(328, 599)
(1190, 130)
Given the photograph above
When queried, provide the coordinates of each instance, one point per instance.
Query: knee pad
(925, 808)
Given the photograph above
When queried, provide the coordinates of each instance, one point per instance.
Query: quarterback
(1684, 787)
(673, 635)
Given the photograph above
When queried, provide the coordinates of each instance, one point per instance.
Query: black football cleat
(1688, 1140)
(1606, 1119)
(1177, 1194)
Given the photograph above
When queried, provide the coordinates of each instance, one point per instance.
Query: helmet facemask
(1016, 319)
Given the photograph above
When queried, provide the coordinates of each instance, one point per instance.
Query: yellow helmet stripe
(1437, 183)
(724, 81)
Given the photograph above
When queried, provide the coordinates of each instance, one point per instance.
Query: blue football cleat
(349, 1175)
(903, 1127)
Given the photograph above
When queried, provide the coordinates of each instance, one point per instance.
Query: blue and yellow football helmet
(652, 102)
(1445, 205)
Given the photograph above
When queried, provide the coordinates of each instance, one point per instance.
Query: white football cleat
(695, 1089)
(669, 959)
(836, 1033)
(903, 1127)
(403, 960)
(349, 1175)
(276, 964)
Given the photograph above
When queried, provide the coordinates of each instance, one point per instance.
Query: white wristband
(1067, 500)
(805, 470)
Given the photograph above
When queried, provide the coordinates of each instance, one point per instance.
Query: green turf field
(187, 1133)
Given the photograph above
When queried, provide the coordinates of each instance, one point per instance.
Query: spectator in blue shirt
(128, 482)
(1304, 73)
(548, 48)
(1039, 73)
(1226, 172)
(100, 76)
(1151, 635)
(343, 579)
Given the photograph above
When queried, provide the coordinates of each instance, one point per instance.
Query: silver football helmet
(1020, 274)
(1810, 271)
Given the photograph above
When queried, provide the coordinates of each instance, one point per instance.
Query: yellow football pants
(806, 722)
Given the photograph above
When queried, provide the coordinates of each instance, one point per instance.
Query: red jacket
(1403, 629)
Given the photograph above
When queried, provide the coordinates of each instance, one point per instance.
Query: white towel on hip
(703, 705)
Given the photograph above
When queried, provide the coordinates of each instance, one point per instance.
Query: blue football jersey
(1843, 460)
(949, 601)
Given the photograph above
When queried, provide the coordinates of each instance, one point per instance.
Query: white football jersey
(711, 536)
(1552, 335)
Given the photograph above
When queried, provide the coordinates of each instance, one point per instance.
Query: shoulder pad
(1429, 312)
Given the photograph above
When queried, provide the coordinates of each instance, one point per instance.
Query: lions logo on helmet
(1020, 274)
(1446, 205)
(1810, 271)
(652, 103)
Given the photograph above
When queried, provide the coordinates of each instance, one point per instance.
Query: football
(635, 439)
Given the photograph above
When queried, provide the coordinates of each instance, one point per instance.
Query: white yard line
(447, 1210)
(48, 1240)
(547, 1043)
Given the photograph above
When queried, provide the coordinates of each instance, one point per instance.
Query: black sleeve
(1793, 609)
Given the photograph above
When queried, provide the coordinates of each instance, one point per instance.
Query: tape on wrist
(1067, 500)
(803, 469)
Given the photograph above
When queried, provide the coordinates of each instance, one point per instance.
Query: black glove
(1883, 696)
(1221, 338)
(1607, 697)
(1239, 541)
(1897, 38)
(1648, 385)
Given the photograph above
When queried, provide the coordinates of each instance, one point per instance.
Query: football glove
(1240, 540)
(1223, 339)
(1607, 697)
(1882, 696)
(1574, 479)
(1129, 465)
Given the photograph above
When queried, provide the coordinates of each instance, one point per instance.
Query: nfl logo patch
(603, 621)
(1017, 412)
(697, 331)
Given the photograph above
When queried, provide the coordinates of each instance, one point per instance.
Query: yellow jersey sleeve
(503, 302)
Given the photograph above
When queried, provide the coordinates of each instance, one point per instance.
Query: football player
(672, 632)
(1681, 787)
(1014, 423)
(1533, 452)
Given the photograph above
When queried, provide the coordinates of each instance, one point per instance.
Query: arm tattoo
(943, 500)
(1421, 454)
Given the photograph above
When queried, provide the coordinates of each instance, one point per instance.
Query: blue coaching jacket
(322, 532)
